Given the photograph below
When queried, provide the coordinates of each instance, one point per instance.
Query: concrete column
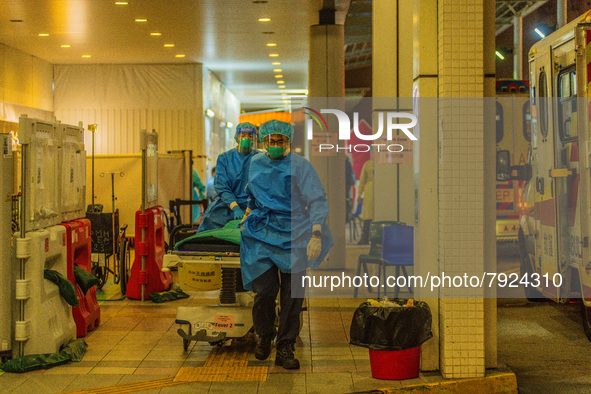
(517, 45)
(326, 78)
(392, 78)
(461, 184)
(425, 92)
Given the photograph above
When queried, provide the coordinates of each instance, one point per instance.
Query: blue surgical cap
(275, 127)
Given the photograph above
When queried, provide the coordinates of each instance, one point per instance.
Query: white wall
(226, 108)
(25, 85)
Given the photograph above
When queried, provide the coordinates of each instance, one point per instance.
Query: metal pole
(561, 13)
(21, 313)
(92, 128)
(517, 40)
(143, 213)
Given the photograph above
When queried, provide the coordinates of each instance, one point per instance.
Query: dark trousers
(266, 288)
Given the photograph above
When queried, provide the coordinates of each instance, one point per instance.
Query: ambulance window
(499, 122)
(526, 116)
(542, 94)
(567, 106)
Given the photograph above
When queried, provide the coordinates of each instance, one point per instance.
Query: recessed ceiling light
(276, 63)
(280, 82)
(277, 70)
(86, 56)
(180, 55)
(281, 86)
(264, 19)
(65, 46)
(278, 76)
(43, 34)
(155, 34)
(121, 3)
(141, 20)
(273, 54)
(271, 44)
(168, 45)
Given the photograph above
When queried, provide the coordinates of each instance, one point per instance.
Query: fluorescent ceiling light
(168, 45)
(271, 44)
(141, 20)
(180, 55)
(210, 113)
(499, 55)
(276, 63)
(87, 56)
(539, 32)
(264, 19)
(230, 124)
(273, 54)
(65, 45)
(43, 34)
(277, 70)
(155, 34)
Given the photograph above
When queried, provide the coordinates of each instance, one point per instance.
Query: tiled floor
(138, 341)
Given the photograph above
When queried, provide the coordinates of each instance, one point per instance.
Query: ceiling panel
(223, 35)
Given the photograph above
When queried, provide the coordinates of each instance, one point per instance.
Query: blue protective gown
(231, 175)
(286, 198)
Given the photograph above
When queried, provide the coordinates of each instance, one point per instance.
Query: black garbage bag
(67, 289)
(73, 351)
(84, 279)
(391, 327)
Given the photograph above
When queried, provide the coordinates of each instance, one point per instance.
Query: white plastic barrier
(43, 194)
(48, 322)
(72, 171)
(5, 236)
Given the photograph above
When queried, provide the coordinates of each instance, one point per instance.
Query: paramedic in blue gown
(231, 174)
(283, 233)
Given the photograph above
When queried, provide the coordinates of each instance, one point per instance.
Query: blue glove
(238, 213)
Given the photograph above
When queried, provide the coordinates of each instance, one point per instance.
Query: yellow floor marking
(132, 387)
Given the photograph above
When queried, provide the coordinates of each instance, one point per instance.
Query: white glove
(314, 248)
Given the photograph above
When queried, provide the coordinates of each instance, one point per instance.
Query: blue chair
(375, 251)
(398, 251)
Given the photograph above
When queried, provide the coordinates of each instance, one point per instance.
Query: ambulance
(555, 217)
(513, 133)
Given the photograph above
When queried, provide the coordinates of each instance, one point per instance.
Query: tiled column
(392, 78)
(461, 184)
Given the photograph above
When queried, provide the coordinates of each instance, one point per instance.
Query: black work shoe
(285, 357)
(263, 348)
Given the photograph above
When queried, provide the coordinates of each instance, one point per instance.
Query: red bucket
(395, 364)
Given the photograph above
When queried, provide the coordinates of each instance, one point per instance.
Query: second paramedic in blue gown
(284, 233)
(231, 174)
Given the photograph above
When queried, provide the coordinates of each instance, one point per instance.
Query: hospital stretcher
(231, 318)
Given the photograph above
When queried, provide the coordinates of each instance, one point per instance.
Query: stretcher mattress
(226, 239)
